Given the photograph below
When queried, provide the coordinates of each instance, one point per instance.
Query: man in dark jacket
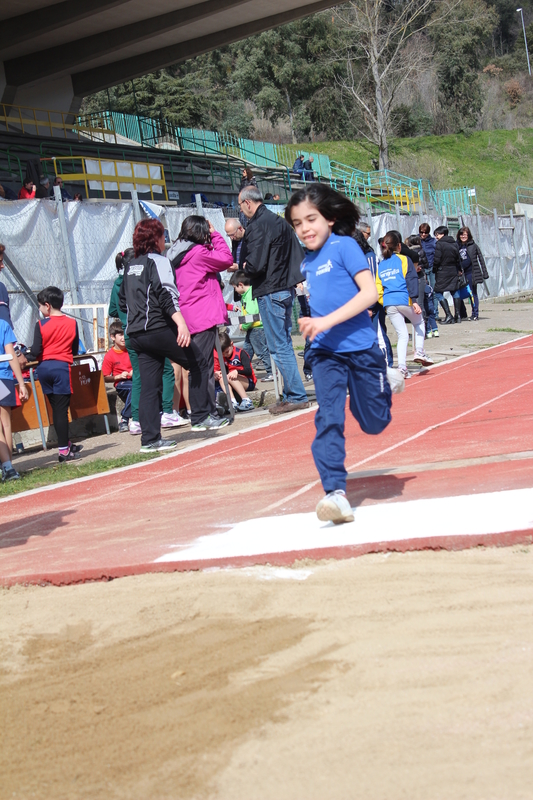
(446, 266)
(271, 256)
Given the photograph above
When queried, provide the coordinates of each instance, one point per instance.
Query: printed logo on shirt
(135, 269)
(388, 274)
(323, 268)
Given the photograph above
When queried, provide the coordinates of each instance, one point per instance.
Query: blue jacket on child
(397, 281)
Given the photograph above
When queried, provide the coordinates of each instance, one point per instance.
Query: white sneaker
(334, 507)
(396, 380)
(134, 427)
(405, 372)
(245, 405)
(173, 420)
(422, 358)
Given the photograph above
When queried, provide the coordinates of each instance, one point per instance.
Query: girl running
(344, 352)
(397, 284)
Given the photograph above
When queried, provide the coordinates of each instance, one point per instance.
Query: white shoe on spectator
(334, 507)
(135, 427)
(245, 405)
(173, 420)
(396, 380)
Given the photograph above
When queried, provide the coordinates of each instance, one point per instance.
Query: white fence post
(502, 265)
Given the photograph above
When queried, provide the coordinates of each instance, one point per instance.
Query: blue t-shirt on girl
(6, 337)
(330, 273)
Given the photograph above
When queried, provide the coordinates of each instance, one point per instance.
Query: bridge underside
(56, 53)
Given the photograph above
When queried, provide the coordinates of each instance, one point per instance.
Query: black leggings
(60, 404)
(152, 348)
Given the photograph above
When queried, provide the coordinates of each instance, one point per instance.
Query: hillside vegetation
(494, 162)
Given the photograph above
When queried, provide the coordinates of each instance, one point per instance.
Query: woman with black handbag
(473, 266)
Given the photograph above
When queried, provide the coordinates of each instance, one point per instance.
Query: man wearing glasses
(271, 256)
(235, 232)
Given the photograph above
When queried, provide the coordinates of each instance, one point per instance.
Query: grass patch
(495, 162)
(47, 476)
(507, 330)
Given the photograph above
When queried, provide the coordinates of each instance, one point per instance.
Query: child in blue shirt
(344, 351)
(9, 368)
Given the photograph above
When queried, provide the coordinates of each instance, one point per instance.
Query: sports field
(286, 667)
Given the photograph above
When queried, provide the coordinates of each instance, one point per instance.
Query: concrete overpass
(55, 53)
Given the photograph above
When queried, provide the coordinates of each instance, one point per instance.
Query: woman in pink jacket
(198, 255)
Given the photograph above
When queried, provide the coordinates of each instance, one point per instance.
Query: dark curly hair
(146, 236)
(331, 204)
(195, 229)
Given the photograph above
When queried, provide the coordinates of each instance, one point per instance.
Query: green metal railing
(524, 194)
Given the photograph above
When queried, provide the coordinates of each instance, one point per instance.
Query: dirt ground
(387, 677)
(384, 677)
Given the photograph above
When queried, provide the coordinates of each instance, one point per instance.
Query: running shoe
(422, 358)
(396, 380)
(436, 334)
(405, 372)
(173, 420)
(429, 334)
(160, 446)
(69, 457)
(123, 426)
(135, 427)
(245, 405)
(334, 507)
(267, 378)
(308, 377)
(10, 474)
(75, 448)
(210, 423)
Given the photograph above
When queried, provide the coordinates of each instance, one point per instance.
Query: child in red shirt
(55, 344)
(117, 369)
(241, 376)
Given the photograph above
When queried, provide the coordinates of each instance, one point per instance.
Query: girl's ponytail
(389, 245)
(124, 258)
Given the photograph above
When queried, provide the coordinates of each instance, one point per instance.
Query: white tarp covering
(96, 233)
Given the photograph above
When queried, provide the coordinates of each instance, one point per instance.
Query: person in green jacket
(170, 418)
(255, 339)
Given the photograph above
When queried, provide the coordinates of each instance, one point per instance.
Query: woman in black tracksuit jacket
(473, 265)
(157, 330)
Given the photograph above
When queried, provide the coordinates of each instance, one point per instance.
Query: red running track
(461, 429)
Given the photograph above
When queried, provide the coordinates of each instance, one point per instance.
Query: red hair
(146, 236)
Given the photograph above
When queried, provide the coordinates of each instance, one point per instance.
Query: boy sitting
(241, 376)
(255, 339)
(55, 344)
(116, 368)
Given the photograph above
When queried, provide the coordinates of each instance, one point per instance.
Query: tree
(459, 48)
(383, 50)
(281, 70)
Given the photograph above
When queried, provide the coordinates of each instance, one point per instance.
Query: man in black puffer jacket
(271, 256)
(446, 266)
